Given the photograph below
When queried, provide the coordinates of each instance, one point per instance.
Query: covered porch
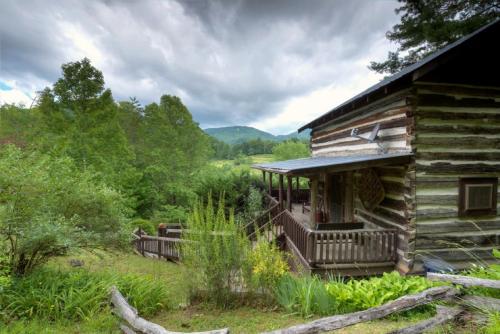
(320, 224)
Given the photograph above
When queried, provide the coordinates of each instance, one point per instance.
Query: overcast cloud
(274, 65)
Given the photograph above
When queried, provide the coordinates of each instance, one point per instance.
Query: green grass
(244, 319)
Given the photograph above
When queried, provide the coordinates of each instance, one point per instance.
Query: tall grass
(77, 295)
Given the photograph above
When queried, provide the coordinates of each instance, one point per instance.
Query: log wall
(395, 116)
(457, 135)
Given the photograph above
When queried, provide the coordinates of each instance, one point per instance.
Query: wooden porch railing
(329, 247)
(298, 196)
(168, 248)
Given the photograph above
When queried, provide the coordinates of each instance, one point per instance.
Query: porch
(329, 240)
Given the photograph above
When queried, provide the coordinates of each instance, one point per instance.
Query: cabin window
(478, 196)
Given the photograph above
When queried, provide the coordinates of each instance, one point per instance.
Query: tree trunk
(465, 280)
(138, 324)
(443, 315)
(401, 304)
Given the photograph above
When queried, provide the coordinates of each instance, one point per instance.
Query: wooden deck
(339, 252)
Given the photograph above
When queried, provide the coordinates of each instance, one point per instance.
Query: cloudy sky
(274, 64)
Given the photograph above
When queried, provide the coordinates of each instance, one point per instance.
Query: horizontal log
(437, 199)
(452, 254)
(458, 129)
(391, 216)
(447, 168)
(335, 134)
(437, 226)
(482, 303)
(465, 280)
(357, 119)
(444, 314)
(401, 304)
(126, 312)
(434, 100)
(433, 241)
(464, 156)
(456, 90)
(454, 142)
(381, 140)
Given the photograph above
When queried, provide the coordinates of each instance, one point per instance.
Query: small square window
(477, 196)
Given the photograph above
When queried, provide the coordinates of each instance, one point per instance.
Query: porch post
(270, 184)
(289, 181)
(281, 191)
(297, 185)
(314, 200)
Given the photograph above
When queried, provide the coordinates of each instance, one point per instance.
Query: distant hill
(239, 134)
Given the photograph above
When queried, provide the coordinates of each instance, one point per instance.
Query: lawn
(184, 318)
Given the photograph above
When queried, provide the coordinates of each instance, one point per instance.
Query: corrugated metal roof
(297, 165)
(403, 73)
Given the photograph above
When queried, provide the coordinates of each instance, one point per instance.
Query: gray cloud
(232, 62)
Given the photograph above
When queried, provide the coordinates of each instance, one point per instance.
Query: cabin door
(341, 198)
(337, 190)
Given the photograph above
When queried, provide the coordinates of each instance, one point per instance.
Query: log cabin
(402, 174)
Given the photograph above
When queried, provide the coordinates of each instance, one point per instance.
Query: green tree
(290, 149)
(428, 25)
(80, 119)
(169, 148)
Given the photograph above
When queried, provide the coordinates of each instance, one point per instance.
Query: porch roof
(342, 163)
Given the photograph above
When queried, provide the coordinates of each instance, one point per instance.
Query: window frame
(463, 211)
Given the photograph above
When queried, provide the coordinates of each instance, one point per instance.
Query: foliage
(309, 296)
(79, 119)
(489, 272)
(493, 325)
(55, 295)
(268, 265)
(48, 206)
(305, 295)
(215, 254)
(235, 185)
(428, 25)
(290, 150)
(169, 147)
(144, 224)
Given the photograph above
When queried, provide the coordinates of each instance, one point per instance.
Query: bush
(291, 149)
(76, 295)
(215, 254)
(48, 207)
(146, 225)
(311, 296)
(268, 265)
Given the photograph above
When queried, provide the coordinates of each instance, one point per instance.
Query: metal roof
(401, 74)
(316, 163)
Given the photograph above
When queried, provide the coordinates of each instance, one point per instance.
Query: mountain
(239, 134)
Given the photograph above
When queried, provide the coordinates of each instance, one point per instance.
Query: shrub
(146, 225)
(47, 206)
(267, 264)
(311, 296)
(215, 254)
(76, 295)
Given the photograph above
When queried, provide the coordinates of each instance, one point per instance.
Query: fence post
(159, 248)
(141, 242)
(310, 247)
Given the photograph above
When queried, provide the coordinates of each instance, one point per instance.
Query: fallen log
(444, 314)
(123, 309)
(401, 304)
(482, 303)
(464, 280)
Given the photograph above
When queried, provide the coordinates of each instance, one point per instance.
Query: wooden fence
(168, 248)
